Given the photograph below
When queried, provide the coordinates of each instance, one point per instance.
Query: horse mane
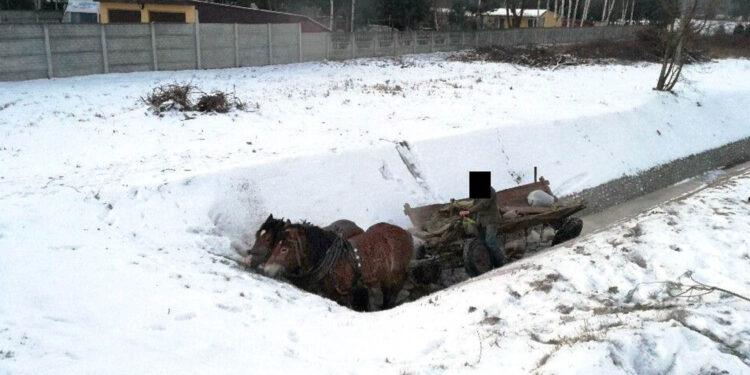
(318, 240)
(274, 226)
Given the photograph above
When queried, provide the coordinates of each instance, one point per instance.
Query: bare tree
(575, 13)
(330, 22)
(585, 11)
(677, 34)
(609, 11)
(514, 12)
(604, 11)
(632, 9)
(352, 20)
(570, 6)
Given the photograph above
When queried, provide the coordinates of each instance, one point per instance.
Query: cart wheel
(570, 229)
(477, 259)
(426, 274)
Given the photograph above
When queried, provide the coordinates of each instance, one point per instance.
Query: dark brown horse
(271, 230)
(321, 262)
(344, 228)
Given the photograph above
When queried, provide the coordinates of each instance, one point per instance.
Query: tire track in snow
(412, 165)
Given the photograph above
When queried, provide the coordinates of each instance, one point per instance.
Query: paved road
(629, 209)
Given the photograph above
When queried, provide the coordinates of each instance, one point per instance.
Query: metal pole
(104, 50)
(47, 50)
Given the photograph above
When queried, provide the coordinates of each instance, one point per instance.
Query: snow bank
(109, 214)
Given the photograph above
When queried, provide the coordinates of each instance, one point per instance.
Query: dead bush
(170, 97)
(218, 101)
(180, 97)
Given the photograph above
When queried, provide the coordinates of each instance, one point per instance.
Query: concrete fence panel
(217, 45)
(22, 52)
(314, 46)
(29, 51)
(285, 43)
(129, 48)
(175, 46)
(76, 51)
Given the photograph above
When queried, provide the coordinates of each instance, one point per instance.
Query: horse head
(288, 253)
(299, 248)
(268, 234)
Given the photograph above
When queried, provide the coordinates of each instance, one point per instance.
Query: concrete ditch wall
(629, 187)
(30, 51)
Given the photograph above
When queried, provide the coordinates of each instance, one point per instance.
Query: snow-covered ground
(108, 213)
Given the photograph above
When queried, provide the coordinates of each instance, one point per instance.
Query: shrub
(739, 29)
(178, 97)
(169, 97)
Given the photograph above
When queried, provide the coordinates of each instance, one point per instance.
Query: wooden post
(236, 47)
(270, 47)
(432, 41)
(535, 173)
(414, 40)
(197, 42)
(104, 49)
(48, 51)
(354, 45)
(153, 46)
(299, 41)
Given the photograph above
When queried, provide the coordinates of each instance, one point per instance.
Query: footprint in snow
(182, 317)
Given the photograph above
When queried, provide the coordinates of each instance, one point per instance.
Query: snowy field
(109, 212)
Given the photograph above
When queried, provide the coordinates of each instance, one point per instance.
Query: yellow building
(128, 11)
(501, 18)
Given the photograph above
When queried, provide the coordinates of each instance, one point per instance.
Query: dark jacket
(485, 210)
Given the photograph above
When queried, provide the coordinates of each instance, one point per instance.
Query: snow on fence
(61, 50)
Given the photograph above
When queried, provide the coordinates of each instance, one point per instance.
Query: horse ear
(288, 222)
(270, 217)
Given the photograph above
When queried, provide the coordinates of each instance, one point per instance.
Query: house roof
(502, 12)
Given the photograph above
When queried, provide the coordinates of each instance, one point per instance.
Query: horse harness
(338, 249)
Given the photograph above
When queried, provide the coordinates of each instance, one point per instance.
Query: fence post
(329, 40)
(463, 39)
(476, 39)
(236, 47)
(299, 41)
(354, 45)
(270, 47)
(153, 46)
(104, 49)
(47, 50)
(414, 41)
(197, 41)
(432, 41)
(394, 43)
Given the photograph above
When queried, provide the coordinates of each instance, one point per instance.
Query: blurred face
(284, 257)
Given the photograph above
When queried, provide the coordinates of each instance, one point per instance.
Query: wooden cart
(451, 241)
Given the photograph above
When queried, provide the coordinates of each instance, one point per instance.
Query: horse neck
(317, 243)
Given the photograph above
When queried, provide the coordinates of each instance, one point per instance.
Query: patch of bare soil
(646, 47)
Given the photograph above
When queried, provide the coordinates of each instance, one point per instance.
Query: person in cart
(487, 216)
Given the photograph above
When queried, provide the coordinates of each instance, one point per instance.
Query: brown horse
(321, 262)
(271, 230)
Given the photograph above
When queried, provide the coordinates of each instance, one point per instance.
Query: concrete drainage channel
(626, 197)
